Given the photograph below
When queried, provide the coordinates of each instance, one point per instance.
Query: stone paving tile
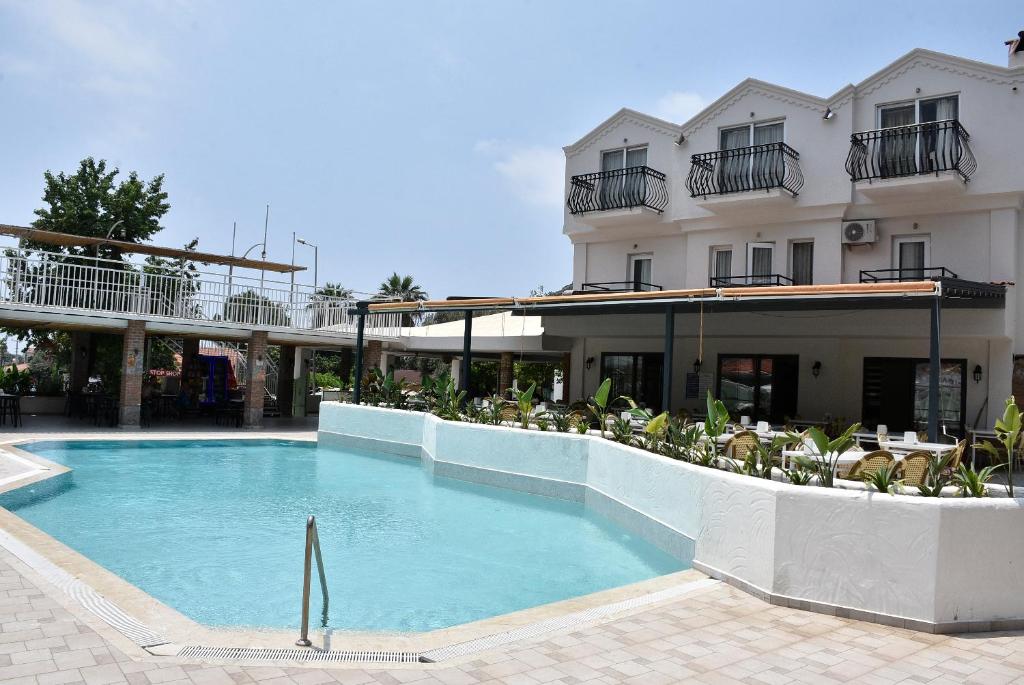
(719, 636)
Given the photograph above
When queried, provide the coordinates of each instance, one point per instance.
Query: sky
(422, 137)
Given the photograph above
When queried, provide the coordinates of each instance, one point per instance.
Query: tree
(250, 307)
(403, 288)
(328, 304)
(90, 202)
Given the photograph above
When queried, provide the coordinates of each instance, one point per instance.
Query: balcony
(933, 273)
(750, 280)
(745, 177)
(618, 287)
(632, 195)
(911, 160)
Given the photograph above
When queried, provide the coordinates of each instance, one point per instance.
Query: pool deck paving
(720, 635)
(717, 634)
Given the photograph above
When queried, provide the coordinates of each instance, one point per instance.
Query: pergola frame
(930, 295)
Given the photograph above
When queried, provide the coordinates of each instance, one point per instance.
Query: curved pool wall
(931, 564)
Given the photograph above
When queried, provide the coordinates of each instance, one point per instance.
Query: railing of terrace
(911, 150)
(748, 280)
(58, 281)
(756, 167)
(619, 287)
(931, 273)
(638, 186)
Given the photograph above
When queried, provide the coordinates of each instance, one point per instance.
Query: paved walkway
(719, 635)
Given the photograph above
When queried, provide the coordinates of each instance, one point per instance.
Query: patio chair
(741, 445)
(913, 468)
(509, 413)
(869, 463)
(576, 418)
(956, 456)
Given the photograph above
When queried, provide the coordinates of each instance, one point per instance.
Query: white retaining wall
(939, 565)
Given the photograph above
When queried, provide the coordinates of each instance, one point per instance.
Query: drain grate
(305, 655)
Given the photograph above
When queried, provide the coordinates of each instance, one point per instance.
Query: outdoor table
(937, 448)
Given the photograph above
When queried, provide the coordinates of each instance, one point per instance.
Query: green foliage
(599, 404)
(251, 307)
(622, 430)
(802, 471)
(404, 289)
(562, 420)
(936, 477)
(14, 382)
(829, 451)
(542, 422)
(328, 304)
(582, 427)
(327, 380)
(1007, 432)
(172, 284)
(971, 483)
(524, 402)
(883, 479)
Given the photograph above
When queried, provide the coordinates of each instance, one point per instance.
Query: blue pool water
(215, 529)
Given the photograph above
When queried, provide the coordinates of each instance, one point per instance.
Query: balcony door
(907, 149)
(751, 169)
(622, 184)
(911, 257)
(762, 387)
(634, 375)
(640, 272)
(759, 263)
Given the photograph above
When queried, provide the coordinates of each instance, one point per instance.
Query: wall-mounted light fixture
(816, 369)
(589, 362)
(681, 139)
(696, 365)
(977, 373)
(828, 115)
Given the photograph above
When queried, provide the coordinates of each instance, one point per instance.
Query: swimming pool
(215, 529)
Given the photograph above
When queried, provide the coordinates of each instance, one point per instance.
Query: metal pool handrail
(312, 545)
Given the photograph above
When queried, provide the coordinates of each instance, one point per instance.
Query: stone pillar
(255, 384)
(456, 369)
(371, 357)
(286, 380)
(504, 373)
(133, 369)
(300, 381)
(81, 347)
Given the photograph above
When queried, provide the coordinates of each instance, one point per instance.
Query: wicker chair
(869, 463)
(913, 468)
(576, 418)
(956, 456)
(741, 444)
(509, 413)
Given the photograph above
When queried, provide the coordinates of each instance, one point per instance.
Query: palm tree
(329, 303)
(405, 289)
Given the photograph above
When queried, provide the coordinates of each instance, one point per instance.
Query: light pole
(316, 258)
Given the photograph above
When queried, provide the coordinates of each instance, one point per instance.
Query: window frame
(624, 151)
(750, 275)
(916, 102)
(898, 240)
(712, 270)
(632, 259)
(750, 130)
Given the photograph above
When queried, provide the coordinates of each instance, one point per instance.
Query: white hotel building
(915, 173)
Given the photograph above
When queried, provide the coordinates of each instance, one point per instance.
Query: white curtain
(941, 145)
(734, 169)
(633, 182)
(760, 264)
(723, 263)
(912, 261)
(897, 150)
(767, 165)
(609, 189)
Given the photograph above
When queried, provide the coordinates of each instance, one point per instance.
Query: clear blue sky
(423, 137)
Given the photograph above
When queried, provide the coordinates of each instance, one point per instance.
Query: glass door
(609, 192)
(763, 387)
(734, 169)
(897, 147)
(766, 165)
(759, 263)
(939, 142)
(640, 272)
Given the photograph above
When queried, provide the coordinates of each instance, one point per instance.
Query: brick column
(81, 351)
(286, 380)
(255, 384)
(505, 373)
(133, 369)
(371, 357)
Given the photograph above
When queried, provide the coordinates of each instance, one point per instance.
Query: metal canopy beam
(467, 354)
(666, 362)
(934, 369)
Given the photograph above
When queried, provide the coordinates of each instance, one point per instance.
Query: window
(759, 386)
(621, 187)
(634, 375)
(802, 262)
(721, 264)
(918, 150)
(895, 392)
(759, 263)
(640, 272)
(911, 257)
(759, 167)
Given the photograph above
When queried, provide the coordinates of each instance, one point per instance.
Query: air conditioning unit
(859, 232)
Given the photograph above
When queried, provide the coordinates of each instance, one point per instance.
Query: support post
(505, 373)
(934, 369)
(133, 369)
(666, 370)
(256, 383)
(286, 381)
(357, 382)
(467, 353)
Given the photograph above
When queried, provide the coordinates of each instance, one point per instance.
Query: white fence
(49, 280)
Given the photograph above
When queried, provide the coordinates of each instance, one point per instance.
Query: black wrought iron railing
(758, 167)
(619, 287)
(928, 148)
(749, 280)
(932, 273)
(638, 186)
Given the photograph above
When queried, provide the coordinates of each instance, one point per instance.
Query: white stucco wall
(934, 562)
